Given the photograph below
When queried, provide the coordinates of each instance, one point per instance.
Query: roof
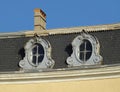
(13, 49)
(62, 31)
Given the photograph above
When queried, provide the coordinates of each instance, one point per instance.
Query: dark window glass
(34, 60)
(38, 54)
(85, 50)
(34, 50)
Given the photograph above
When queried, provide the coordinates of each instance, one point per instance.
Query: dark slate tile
(12, 49)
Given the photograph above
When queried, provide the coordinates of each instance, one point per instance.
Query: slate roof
(12, 45)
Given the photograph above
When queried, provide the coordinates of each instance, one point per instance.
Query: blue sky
(17, 15)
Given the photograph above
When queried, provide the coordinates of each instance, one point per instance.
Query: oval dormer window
(85, 49)
(37, 54)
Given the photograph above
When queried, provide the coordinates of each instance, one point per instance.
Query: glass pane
(38, 53)
(40, 58)
(85, 50)
(81, 56)
(88, 55)
(41, 52)
(40, 49)
(34, 50)
(89, 46)
(34, 60)
(82, 46)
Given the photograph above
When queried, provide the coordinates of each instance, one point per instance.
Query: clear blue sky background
(17, 15)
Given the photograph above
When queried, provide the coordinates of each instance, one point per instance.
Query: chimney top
(40, 11)
(39, 20)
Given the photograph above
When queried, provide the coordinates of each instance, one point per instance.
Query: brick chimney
(39, 20)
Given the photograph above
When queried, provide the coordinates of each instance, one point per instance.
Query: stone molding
(101, 72)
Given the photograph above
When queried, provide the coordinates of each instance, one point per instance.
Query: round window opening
(37, 54)
(85, 49)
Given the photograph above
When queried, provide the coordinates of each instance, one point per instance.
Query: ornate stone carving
(85, 51)
(37, 55)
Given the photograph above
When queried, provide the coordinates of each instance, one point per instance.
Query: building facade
(66, 59)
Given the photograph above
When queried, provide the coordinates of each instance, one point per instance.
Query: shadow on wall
(22, 53)
(68, 49)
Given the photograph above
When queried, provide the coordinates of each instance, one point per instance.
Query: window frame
(84, 50)
(37, 54)
(95, 58)
(47, 62)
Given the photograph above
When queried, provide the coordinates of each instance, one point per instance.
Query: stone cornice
(86, 28)
(30, 33)
(61, 75)
(97, 28)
